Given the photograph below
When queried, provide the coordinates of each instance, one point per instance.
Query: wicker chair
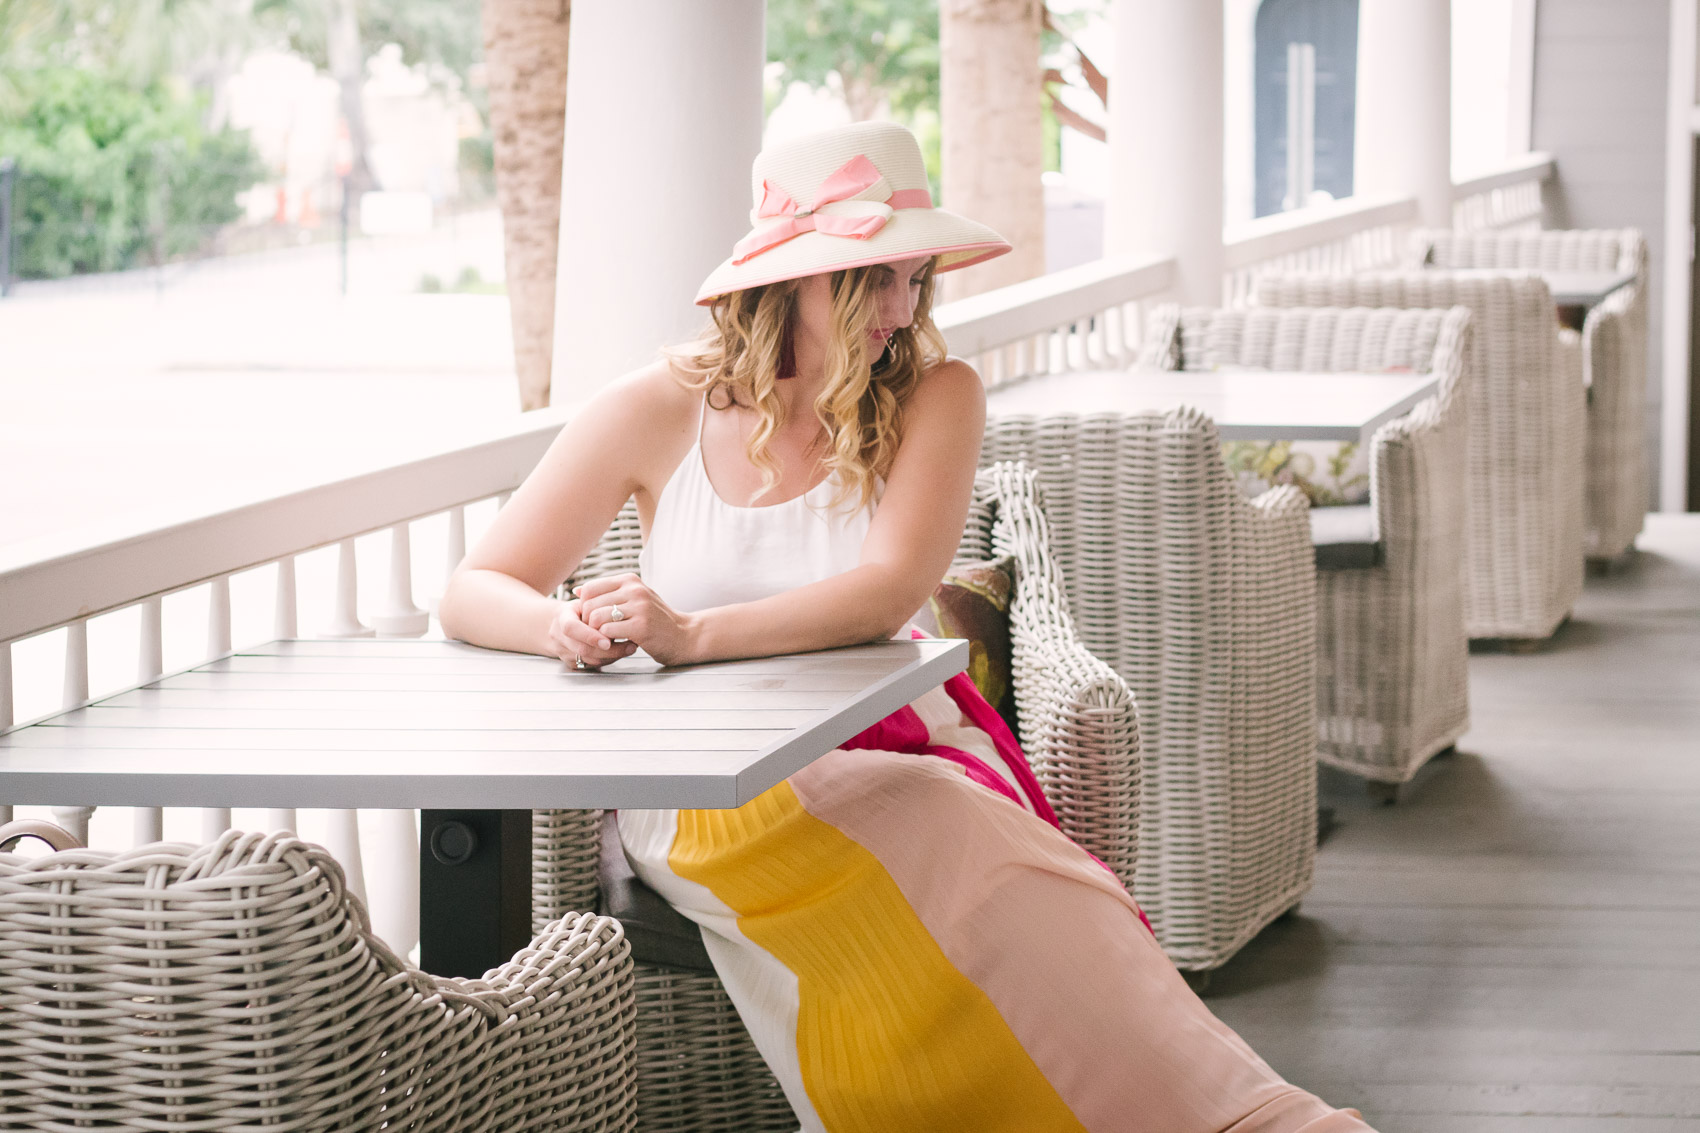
(1524, 409)
(1614, 359)
(697, 1067)
(1392, 659)
(1205, 603)
(236, 986)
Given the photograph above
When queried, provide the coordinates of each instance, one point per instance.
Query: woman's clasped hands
(611, 618)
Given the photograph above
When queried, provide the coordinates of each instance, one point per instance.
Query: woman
(911, 941)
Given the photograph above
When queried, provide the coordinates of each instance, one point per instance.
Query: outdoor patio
(206, 463)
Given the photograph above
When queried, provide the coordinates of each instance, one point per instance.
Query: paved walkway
(1516, 947)
(116, 394)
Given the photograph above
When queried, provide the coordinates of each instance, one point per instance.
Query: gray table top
(1569, 288)
(399, 723)
(1252, 405)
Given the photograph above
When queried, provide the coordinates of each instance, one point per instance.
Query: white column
(1165, 137)
(664, 116)
(1403, 137)
(1682, 122)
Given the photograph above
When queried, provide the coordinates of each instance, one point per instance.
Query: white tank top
(703, 551)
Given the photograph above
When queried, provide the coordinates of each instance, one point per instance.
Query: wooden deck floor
(1516, 945)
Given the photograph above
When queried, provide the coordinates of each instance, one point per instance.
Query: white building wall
(1599, 107)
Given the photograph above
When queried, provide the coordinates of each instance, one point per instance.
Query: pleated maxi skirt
(914, 945)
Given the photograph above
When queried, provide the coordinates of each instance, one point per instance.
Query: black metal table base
(474, 889)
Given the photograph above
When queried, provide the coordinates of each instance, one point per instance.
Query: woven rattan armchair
(236, 985)
(1392, 659)
(1524, 436)
(1614, 358)
(697, 1066)
(1205, 603)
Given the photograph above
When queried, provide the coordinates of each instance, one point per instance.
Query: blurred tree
(883, 51)
(111, 176)
(525, 46)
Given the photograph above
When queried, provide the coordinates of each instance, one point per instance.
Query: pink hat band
(854, 201)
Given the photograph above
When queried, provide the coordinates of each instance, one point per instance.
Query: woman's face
(896, 289)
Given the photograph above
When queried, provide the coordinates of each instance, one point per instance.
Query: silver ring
(578, 662)
(615, 614)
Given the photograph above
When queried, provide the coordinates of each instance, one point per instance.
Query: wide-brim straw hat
(843, 198)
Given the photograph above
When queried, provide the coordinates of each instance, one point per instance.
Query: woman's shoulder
(651, 395)
(951, 383)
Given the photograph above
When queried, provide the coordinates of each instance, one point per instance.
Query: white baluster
(346, 620)
(456, 546)
(149, 825)
(342, 839)
(150, 652)
(400, 617)
(6, 709)
(283, 624)
(281, 818)
(394, 864)
(76, 663)
(454, 550)
(76, 818)
(148, 822)
(218, 617)
(215, 820)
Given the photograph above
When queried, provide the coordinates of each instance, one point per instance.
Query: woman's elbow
(451, 607)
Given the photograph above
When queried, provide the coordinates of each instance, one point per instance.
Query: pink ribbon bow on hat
(854, 201)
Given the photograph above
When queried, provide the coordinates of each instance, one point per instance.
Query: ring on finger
(615, 614)
(578, 662)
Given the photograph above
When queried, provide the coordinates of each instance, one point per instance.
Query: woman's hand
(665, 634)
(578, 644)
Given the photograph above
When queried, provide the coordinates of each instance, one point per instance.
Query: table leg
(474, 889)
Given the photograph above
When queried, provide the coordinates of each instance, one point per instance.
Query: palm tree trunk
(348, 67)
(993, 138)
(525, 58)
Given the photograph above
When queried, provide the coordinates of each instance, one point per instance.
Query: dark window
(1331, 28)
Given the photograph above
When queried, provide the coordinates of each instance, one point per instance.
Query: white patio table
(475, 738)
(1252, 405)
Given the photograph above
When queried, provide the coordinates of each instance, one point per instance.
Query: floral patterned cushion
(973, 602)
(1330, 473)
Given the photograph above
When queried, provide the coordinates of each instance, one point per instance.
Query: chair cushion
(659, 933)
(973, 602)
(1344, 538)
(1329, 473)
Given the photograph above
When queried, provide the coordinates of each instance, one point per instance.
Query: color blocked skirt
(914, 945)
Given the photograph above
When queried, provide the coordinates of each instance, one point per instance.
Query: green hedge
(110, 176)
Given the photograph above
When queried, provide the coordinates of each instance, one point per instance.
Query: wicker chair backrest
(1575, 249)
(237, 985)
(1524, 416)
(1317, 340)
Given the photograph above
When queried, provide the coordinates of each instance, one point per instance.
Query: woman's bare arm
(909, 546)
(498, 597)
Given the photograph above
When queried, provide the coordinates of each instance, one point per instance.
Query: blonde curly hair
(738, 358)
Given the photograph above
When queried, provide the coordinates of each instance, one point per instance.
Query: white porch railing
(1081, 318)
(1510, 197)
(60, 586)
(1354, 234)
